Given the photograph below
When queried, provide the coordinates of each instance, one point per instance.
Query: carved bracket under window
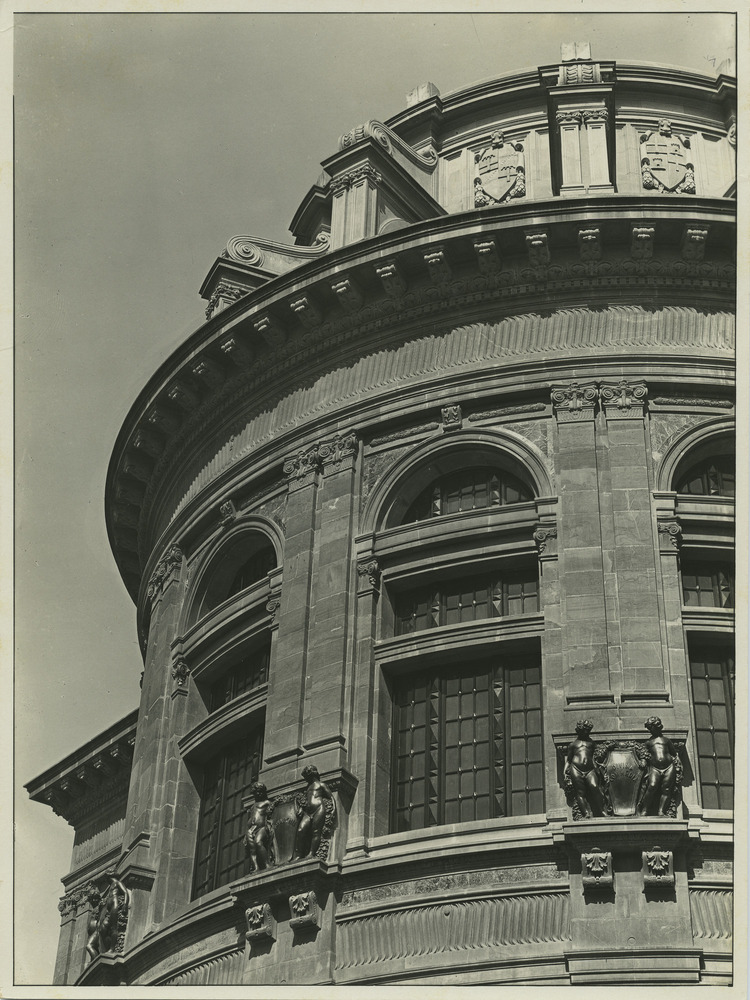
(670, 536)
(545, 537)
(658, 869)
(305, 910)
(596, 871)
(260, 923)
(369, 573)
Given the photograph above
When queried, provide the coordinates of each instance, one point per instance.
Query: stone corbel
(394, 283)
(306, 312)
(437, 265)
(642, 243)
(369, 576)
(574, 402)
(596, 871)
(589, 245)
(693, 247)
(545, 536)
(180, 676)
(271, 330)
(348, 295)
(623, 399)
(260, 923)
(658, 869)
(488, 259)
(304, 909)
(670, 537)
(227, 513)
(209, 373)
(238, 352)
(538, 251)
(166, 570)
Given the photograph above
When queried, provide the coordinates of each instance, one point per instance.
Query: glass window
(237, 567)
(707, 584)
(467, 599)
(467, 489)
(712, 681)
(468, 743)
(249, 673)
(712, 476)
(220, 855)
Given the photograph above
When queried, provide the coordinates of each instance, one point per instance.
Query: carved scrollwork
(304, 910)
(574, 401)
(300, 469)
(387, 139)
(671, 532)
(167, 566)
(658, 868)
(249, 250)
(542, 535)
(260, 922)
(371, 570)
(333, 453)
(623, 395)
(451, 417)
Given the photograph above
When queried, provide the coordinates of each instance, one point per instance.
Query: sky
(143, 142)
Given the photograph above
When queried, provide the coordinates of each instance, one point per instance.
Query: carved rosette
(369, 573)
(166, 570)
(574, 402)
(623, 399)
(304, 910)
(334, 454)
(260, 923)
(670, 536)
(596, 871)
(658, 868)
(451, 417)
(300, 469)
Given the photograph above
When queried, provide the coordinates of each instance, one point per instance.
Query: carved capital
(166, 570)
(358, 175)
(642, 242)
(334, 452)
(260, 922)
(451, 418)
(394, 283)
(589, 245)
(544, 536)
(596, 870)
(223, 295)
(623, 398)
(658, 868)
(300, 469)
(574, 402)
(488, 258)
(304, 910)
(348, 295)
(272, 607)
(437, 265)
(693, 245)
(370, 571)
(596, 116)
(670, 536)
(570, 117)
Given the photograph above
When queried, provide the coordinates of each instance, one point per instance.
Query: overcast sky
(142, 143)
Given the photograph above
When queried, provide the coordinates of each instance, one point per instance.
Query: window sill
(223, 628)
(448, 638)
(708, 619)
(224, 724)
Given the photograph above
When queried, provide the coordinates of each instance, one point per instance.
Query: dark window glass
(249, 673)
(468, 744)
(254, 569)
(467, 599)
(707, 585)
(467, 489)
(712, 680)
(709, 477)
(220, 855)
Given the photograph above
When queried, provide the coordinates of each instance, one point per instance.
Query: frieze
(726, 404)
(507, 411)
(511, 876)
(405, 432)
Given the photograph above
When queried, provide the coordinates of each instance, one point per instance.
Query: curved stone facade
(424, 493)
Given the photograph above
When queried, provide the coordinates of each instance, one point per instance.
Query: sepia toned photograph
(375, 477)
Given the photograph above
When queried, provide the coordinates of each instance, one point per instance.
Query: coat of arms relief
(500, 172)
(665, 161)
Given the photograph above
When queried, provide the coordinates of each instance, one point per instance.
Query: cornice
(199, 372)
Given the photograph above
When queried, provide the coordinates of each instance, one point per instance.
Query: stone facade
(429, 528)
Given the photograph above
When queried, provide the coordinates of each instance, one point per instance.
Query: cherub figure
(259, 836)
(660, 780)
(316, 804)
(580, 772)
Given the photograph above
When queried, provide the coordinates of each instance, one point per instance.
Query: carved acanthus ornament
(180, 672)
(165, 571)
(574, 401)
(596, 870)
(223, 295)
(333, 453)
(370, 570)
(595, 115)
(304, 910)
(670, 535)
(568, 117)
(350, 178)
(300, 469)
(658, 868)
(260, 922)
(623, 398)
(227, 513)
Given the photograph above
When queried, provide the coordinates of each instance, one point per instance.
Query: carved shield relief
(666, 157)
(499, 171)
(621, 767)
(284, 821)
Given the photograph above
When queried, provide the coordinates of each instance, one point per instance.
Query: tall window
(249, 673)
(713, 476)
(467, 489)
(468, 743)
(467, 599)
(220, 856)
(712, 679)
(237, 567)
(707, 584)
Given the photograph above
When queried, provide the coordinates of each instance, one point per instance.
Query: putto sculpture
(259, 836)
(622, 777)
(581, 777)
(105, 930)
(316, 818)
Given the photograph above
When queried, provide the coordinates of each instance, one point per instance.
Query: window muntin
(468, 743)
(466, 599)
(712, 683)
(707, 584)
(220, 854)
(713, 476)
(247, 674)
(467, 489)
(253, 569)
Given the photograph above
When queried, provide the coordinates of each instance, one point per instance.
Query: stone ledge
(643, 967)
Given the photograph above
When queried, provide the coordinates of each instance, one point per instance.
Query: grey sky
(143, 142)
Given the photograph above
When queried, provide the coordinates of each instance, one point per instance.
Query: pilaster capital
(167, 569)
(670, 536)
(568, 117)
(623, 399)
(339, 452)
(368, 572)
(300, 469)
(545, 536)
(574, 402)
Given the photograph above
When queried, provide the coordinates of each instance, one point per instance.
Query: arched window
(241, 564)
(711, 476)
(467, 489)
